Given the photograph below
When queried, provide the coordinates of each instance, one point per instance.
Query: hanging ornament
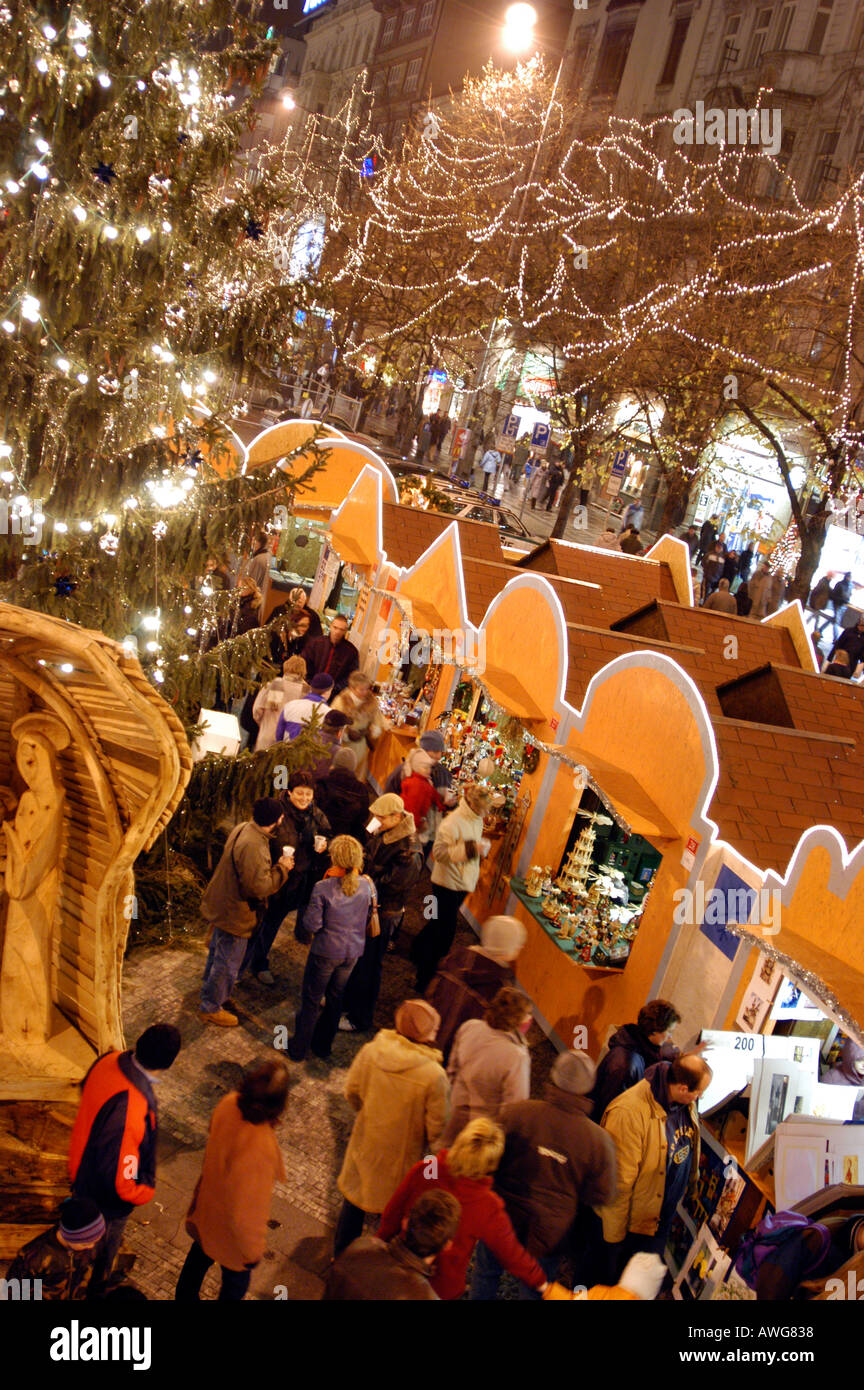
(254, 230)
(160, 529)
(110, 542)
(108, 385)
(64, 585)
(104, 172)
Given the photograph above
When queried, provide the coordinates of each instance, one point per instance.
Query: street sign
(619, 463)
(540, 437)
(510, 428)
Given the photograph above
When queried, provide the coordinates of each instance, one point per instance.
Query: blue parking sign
(510, 427)
(540, 436)
(619, 466)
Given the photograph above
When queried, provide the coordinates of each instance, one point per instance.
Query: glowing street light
(519, 23)
(288, 101)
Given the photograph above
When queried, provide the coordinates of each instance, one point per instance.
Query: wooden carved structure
(93, 764)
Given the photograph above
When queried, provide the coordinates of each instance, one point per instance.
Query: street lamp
(288, 101)
(519, 23)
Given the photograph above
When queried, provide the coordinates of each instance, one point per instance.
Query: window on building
(787, 14)
(427, 14)
(673, 56)
(407, 23)
(395, 78)
(824, 170)
(730, 49)
(612, 61)
(758, 38)
(389, 30)
(821, 20)
(581, 49)
(412, 76)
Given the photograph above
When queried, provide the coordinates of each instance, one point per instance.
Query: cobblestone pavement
(161, 984)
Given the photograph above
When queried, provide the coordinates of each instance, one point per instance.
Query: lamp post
(519, 24)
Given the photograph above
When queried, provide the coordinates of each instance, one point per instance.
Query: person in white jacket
(457, 851)
(274, 696)
(490, 1064)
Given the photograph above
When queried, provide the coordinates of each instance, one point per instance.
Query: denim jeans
(235, 1282)
(322, 978)
(224, 960)
(488, 1270)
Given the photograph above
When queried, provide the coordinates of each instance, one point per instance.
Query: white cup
(320, 844)
(288, 852)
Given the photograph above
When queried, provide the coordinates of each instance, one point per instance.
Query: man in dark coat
(400, 1269)
(470, 976)
(342, 797)
(745, 563)
(707, 537)
(691, 540)
(555, 1159)
(851, 640)
(393, 860)
(633, 1049)
(332, 655)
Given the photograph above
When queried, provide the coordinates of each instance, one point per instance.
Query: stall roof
(409, 532)
(628, 581)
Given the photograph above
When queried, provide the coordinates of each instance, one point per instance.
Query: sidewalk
(162, 984)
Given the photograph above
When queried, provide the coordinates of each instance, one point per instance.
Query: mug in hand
(320, 844)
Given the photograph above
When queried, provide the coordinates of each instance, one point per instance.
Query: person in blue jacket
(632, 1049)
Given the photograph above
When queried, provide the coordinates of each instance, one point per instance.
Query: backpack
(767, 1240)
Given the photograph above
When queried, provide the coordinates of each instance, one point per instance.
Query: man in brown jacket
(243, 880)
(655, 1126)
(400, 1269)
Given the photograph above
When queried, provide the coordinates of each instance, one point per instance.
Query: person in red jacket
(112, 1154)
(417, 790)
(465, 1170)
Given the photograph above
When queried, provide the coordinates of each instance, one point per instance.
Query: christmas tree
(135, 273)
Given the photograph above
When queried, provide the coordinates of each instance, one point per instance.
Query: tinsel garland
(813, 985)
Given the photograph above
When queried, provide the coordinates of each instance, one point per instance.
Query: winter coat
(378, 1271)
(466, 982)
(841, 593)
(608, 541)
(442, 777)
(64, 1274)
(721, 602)
(637, 1122)
(554, 1159)
(245, 873)
(634, 515)
(765, 592)
(707, 536)
(269, 704)
(631, 544)
(394, 862)
(743, 601)
(296, 714)
(344, 801)
(116, 1121)
(419, 796)
(745, 564)
(231, 1205)
(338, 660)
(336, 922)
(730, 566)
(367, 720)
(401, 1094)
(630, 1053)
(483, 1217)
(820, 594)
(451, 866)
(488, 1068)
(490, 462)
(298, 829)
(537, 485)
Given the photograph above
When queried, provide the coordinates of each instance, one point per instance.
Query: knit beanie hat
(321, 684)
(81, 1221)
(417, 1021)
(574, 1072)
(345, 758)
(335, 719)
(158, 1046)
(388, 805)
(267, 810)
(433, 741)
(502, 936)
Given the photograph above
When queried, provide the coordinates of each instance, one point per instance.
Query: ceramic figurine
(533, 881)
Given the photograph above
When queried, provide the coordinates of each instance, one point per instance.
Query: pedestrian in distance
(335, 923)
(490, 1064)
(112, 1152)
(399, 1089)
(231, 1206)
(234, 902)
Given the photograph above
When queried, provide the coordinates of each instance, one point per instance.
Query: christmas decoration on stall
(786, 553)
